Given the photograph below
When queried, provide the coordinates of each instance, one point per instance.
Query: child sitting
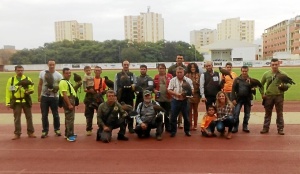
(208, 122)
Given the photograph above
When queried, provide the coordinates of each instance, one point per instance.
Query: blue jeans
(51, 102)
(247, 109)
(178, 106)
(228, 122)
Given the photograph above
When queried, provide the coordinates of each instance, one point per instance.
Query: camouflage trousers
(69, 118)
(270, 101)
(17, 118)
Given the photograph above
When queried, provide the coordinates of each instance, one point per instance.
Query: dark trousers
(17, 118)
(210, 128)
(52, 103)
(167, 107)
(176, 107)
(246, 102)
(154, 123)
(89, 115)
(270, 101)
(106, 135)
(210, 100)
(228, 122)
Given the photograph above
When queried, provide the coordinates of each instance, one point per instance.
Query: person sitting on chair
(149, 117)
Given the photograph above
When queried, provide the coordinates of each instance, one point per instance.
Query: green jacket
(272, 82)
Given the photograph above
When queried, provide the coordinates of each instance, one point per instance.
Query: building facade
(147, 27)
(236, 29)
(283, 37)
(200, 38)
(72, 30)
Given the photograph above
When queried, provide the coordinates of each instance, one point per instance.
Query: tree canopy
(110, 51)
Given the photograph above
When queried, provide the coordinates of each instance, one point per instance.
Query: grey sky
(30, 23)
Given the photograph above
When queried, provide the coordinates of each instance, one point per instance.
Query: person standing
(124, 87)
(242, 96)
(18, 91)
(179, 102)
(172, 70)
(68, 93)
(96, 93)
(209, 85)
(161, 83)
(108, 119)
(227, 81)
(192, 73)
(273, 95)
(48, 97)
(145, 82)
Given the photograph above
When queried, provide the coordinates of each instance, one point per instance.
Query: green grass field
(292, 94)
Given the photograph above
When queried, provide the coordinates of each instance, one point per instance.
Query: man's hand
(203, 100)
(39, 98)
(234, 102)
(106, 128)
(263, 96)
(143, 126)
(70, 107)
(8, 107)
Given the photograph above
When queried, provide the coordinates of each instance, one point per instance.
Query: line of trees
(110, 51)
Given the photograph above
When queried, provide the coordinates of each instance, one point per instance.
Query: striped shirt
(176, 85)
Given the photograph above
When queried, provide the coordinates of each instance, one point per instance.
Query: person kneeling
(208, 123)
(149, 116)
(107, 119)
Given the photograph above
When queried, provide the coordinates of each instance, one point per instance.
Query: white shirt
(176, 85)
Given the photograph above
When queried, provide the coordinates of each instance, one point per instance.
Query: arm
(138, 117)
(263, 81)
(233, 92)
(115, 83)
(30, 89)
(99, 116)
(8, 92)
(40, 89)
(202, 81)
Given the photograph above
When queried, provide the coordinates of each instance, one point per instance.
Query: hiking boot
(57, 133)
(280, 132)
(71, 138)
(16, 137)
(246, 130)
(131, 131)
(44, 135)
(235, 130)
(88, 133)
(264, 131)
(158, 138)
(122, 137)
(31, 135)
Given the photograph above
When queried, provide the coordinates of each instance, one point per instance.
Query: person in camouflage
(107, 119)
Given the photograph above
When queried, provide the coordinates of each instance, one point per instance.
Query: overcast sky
(30, 23)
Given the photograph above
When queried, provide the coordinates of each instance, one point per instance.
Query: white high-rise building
(72, 30)
(147, 27)
(235, 29)
(202, 37)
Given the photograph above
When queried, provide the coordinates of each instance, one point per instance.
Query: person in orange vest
(227, 81)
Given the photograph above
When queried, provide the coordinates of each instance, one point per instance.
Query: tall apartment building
(202, 37)
(235, 29)
(282, 37)
(147, 27)
(72, 30)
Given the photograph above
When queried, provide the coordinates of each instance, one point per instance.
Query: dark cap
(147, 92)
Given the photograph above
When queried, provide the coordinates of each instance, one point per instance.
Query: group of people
(177, 91)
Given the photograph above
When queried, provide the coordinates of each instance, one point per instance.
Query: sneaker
(280, 132)
(246, 130)
(88, 133)
(158, 138)
(234, 130)
(44, 135)
(31, 135)
(16, 137)
(75, 135)
(57, 133)
(122, 137)
(71, 138)
(229, 134)
(264, 131)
